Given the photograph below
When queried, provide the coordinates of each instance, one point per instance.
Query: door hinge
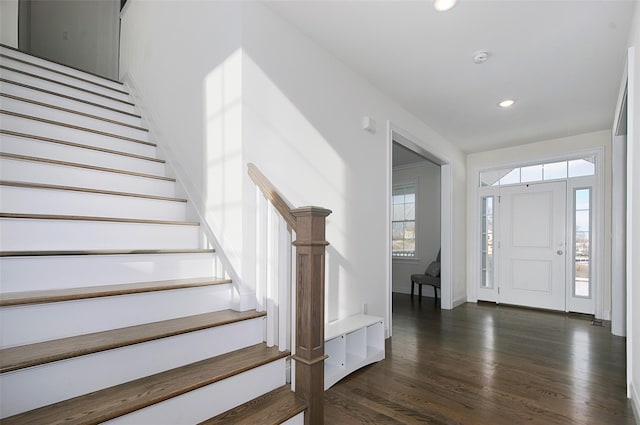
(498, 289)
(499, 198)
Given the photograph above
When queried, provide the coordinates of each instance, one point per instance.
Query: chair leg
(435, 293)
(420, 292)
(412, 285)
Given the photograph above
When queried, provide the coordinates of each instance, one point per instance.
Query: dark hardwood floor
(487, 364)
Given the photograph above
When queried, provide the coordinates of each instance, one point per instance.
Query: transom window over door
(560, 170)
(403, 242)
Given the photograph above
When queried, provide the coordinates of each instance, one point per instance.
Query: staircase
(111, 307)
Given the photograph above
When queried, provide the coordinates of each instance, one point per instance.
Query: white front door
(532, 249)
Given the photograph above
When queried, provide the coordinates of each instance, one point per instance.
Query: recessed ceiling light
(506, 103)
(443, 5)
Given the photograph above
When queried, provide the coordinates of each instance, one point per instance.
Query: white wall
(191, 101)
(532, 153)
(9, 23)
(79, 33)
(295, 112)
(427, 176)
(633, 170)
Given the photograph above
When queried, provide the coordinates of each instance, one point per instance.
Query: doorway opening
(422, 180)
(415, 219)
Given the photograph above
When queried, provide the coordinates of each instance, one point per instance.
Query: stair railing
(291, 242)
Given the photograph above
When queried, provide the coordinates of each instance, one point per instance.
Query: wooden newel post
(309, 350)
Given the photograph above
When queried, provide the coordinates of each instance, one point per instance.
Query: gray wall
(427, 175)
(80, 33)
(9, 22)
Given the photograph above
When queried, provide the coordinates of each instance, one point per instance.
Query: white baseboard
(635, 402)
(243, 299)
(458, 302)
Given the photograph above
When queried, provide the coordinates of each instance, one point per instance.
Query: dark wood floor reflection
(482, 364)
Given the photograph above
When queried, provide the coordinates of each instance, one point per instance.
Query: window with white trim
(403, 225)
(487, 242)
(559, 170)
(582, 238)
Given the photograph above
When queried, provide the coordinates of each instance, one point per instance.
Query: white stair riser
(296, 420)
(26, 108)
(201, 404)
(71, 318)
(59, 152)
(45, 73)
(38, 172)
(64, 202)
(31, 388)
(69, 91)
(58, 67)
(63, 102)
(60, 132)
(43, 273)
(24, 234)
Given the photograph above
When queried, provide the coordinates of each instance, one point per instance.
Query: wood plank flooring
(487, 364)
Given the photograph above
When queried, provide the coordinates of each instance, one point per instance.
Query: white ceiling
(561, 60)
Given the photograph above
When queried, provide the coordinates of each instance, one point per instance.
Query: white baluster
(261, 251)
(271, 274)
(284, 284)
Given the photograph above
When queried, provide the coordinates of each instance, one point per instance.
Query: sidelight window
(487, 242)
(582, 246)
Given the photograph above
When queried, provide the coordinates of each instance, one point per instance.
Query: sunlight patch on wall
(223, 162)
(303, 164)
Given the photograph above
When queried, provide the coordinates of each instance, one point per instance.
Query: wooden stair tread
(272, 408)
(87, 190)
(93, 218)
(76, 127)
(122, 91)
(71, 86)
(85, 166)
(53, 253)
(72, 111)
(62, 64)
(112, 402)
(79, 145)
(4, 80)
(69, 294)
(29, 355)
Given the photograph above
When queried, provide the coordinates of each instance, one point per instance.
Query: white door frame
(423, 148)
(631, 136)
(618, 237)
(598, 223)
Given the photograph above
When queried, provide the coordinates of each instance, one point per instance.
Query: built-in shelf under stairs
(112, 308)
